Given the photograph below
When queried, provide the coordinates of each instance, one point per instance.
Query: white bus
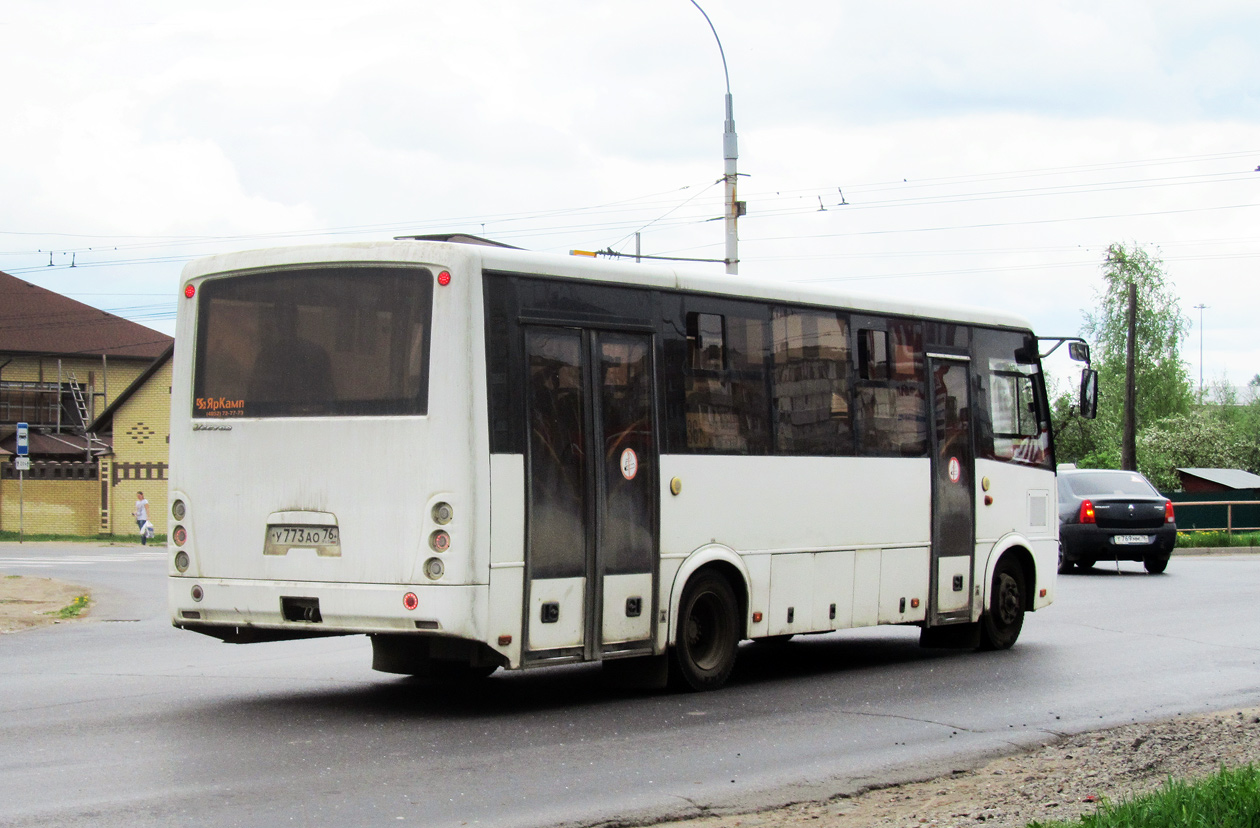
(482, 457)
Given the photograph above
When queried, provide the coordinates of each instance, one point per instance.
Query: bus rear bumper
(275, 610)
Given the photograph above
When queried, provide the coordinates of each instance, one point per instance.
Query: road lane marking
(33, 562)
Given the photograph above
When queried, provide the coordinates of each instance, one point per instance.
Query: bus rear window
(319, 341)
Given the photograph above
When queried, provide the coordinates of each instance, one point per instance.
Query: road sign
(22, 463)
(23, 440)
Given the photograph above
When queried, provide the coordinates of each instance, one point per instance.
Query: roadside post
(23, 463)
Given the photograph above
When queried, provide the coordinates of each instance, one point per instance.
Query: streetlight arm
(721, 52)
(730, 153)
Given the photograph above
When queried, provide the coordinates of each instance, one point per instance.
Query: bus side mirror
(1079, 352)
(1089, 393)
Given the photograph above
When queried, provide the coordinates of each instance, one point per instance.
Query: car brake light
(1087, 512)
(1168, 512)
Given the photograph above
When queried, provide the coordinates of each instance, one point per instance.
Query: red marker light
(189, 291)
(444, 278)
(410, 601)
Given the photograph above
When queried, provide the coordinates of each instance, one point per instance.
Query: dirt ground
(35, 602)
(1061, 780)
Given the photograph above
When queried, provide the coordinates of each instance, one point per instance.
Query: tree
(1164, 388)
(1163, 383)
(1201, 439)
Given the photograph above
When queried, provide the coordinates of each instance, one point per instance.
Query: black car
(1113, 515)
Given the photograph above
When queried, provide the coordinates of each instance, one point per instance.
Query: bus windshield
(351, 340)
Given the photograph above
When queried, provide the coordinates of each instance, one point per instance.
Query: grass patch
(73, 609)
(1216, 537)
(35, 537)
(1229, 799)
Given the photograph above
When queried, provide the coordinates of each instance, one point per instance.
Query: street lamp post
(1201, 308)
(730, 152)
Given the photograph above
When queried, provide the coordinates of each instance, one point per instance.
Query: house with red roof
(64, 366)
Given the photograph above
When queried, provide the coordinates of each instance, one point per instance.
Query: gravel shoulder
(1061, 780)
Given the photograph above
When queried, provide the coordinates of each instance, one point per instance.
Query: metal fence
(1206, 512)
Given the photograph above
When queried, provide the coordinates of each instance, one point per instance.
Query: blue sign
(23, 440)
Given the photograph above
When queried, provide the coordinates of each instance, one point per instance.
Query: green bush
(1216, 537)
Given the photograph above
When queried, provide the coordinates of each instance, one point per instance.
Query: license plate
(1131, 540)
(325, 540)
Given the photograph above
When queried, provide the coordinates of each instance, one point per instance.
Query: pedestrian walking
(141, 514)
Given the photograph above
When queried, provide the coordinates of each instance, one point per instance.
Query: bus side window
(890, 401)
(1012, 422)
(727, 409)
(873, 355)
(811, 383)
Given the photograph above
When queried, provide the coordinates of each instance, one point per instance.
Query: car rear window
(1110, 483)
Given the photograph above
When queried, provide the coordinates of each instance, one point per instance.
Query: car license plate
(1131, 540)
(325, 540)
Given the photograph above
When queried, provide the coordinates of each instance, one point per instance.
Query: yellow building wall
(57, 507)
(141, 458)
(118, 374)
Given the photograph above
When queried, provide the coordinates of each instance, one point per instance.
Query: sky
(981, 153)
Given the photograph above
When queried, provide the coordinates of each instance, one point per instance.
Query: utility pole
(730, 153)
(1128, 448)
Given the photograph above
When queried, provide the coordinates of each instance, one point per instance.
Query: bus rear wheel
(708, 633)
(1000, 626)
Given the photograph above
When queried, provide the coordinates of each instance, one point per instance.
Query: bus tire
(1000, 626)
(708, 636)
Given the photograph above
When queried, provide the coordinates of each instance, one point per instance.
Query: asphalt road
(124, 721)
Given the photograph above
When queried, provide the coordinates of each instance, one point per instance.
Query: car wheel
(1065, 566)
(1087, 563)
(1000, 626)
(1156, 566)
(708, 633)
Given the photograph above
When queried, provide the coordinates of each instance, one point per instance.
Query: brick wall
(53, 498)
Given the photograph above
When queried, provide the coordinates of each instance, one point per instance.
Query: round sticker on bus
(955, 470)
(629, 464)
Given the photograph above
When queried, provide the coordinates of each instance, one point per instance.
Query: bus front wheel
(708, 633)
(1000, 626)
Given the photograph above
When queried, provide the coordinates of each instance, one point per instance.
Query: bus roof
(664, 277)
